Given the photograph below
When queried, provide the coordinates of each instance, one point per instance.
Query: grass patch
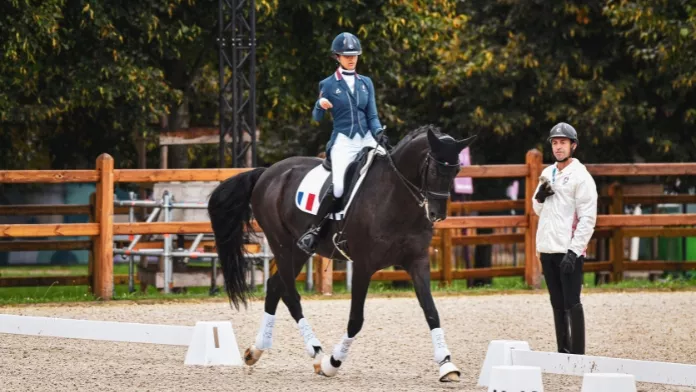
(51, 294)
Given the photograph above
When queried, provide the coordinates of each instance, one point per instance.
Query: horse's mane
(422, 130)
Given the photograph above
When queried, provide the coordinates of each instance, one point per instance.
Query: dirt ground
(393, 352)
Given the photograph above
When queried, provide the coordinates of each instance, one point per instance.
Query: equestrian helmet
(563, 130)
(346, 44)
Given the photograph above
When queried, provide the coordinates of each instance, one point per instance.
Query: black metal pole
(221, 82)
(252, 80)
(235, 86)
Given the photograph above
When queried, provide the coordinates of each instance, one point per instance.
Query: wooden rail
(55, 209)
(100, 278)
(18, 246)
(642, 169)
(161, 175)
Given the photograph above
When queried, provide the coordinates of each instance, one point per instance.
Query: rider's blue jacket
(353, 112)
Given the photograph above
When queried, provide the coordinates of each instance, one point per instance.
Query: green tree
(81, 76)
(661, 39)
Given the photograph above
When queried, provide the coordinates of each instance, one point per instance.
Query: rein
(420, 194)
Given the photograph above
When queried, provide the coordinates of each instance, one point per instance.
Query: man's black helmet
(563, 130)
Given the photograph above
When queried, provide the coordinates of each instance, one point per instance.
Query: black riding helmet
(563, 130)
(346, 44)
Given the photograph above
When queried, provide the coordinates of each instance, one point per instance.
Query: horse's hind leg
(264, 338)
(282, 286)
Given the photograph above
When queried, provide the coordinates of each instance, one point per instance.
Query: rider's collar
(340, 72)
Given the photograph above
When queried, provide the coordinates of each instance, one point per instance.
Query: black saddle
(349, 179)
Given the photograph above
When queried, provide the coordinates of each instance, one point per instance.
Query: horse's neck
(409, 158)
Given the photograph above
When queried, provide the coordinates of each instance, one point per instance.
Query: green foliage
(82, 77)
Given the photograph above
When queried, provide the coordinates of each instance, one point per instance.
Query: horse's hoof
(317, 364)
(449, 372)
(252, 355)
(324, 367)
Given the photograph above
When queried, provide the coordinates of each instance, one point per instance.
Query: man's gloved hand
(545, 190)
(568, 263)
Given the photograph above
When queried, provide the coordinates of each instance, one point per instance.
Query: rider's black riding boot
(561, 325)
(309, 240)
(576, 320)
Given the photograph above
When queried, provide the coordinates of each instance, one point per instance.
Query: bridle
(422, 194)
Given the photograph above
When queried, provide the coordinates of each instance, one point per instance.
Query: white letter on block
(213, 343)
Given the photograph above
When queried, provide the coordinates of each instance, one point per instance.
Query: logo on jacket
(364, 88)
(338, 91)
(565, 180)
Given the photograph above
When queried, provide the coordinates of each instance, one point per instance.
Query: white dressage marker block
(209, 343)
(608, 382)
(498, 354)
(506, 352)
(516, 379)
(96, 330)
(213, 343)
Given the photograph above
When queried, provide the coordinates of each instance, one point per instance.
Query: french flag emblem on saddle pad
(308, 193)
(308, 201)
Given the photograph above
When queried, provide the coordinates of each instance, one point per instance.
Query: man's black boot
(562, 336)
(576, 317)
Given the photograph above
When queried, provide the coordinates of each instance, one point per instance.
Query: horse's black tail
(230, 213)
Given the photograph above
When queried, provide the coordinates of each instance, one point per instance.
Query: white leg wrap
(310, 339)
(340, 351)
(327, 368)
(439, 345)
(264, 339)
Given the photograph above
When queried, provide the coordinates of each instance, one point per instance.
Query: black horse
(389, 223)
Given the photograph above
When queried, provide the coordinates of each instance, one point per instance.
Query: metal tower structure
(237, 67)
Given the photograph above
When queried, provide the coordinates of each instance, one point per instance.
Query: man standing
(566, 202)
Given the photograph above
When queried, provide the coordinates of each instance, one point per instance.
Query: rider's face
(562, 148)
(348, 62)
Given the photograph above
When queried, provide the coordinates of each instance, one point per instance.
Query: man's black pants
(564, 290)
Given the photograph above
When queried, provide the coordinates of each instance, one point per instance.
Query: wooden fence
(614, 225)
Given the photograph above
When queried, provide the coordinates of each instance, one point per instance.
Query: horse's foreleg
(331, 363)
(312, 343)
(442, 355)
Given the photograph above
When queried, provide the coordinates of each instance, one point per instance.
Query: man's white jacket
(567, 218)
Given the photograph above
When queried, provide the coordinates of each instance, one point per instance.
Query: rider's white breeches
(343, 152)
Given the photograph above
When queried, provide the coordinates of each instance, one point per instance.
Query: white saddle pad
(309, 191)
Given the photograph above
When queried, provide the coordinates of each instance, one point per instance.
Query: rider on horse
(351, 99)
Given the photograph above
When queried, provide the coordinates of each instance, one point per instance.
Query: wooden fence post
(92, 251)
(447, 256)
(324, 274)
(616, 246)
(532, 265)
(103, 248)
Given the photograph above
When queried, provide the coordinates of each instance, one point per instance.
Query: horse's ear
(433, 140)
(464, 143)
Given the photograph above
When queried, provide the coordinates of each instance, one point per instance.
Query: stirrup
(308, 240)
